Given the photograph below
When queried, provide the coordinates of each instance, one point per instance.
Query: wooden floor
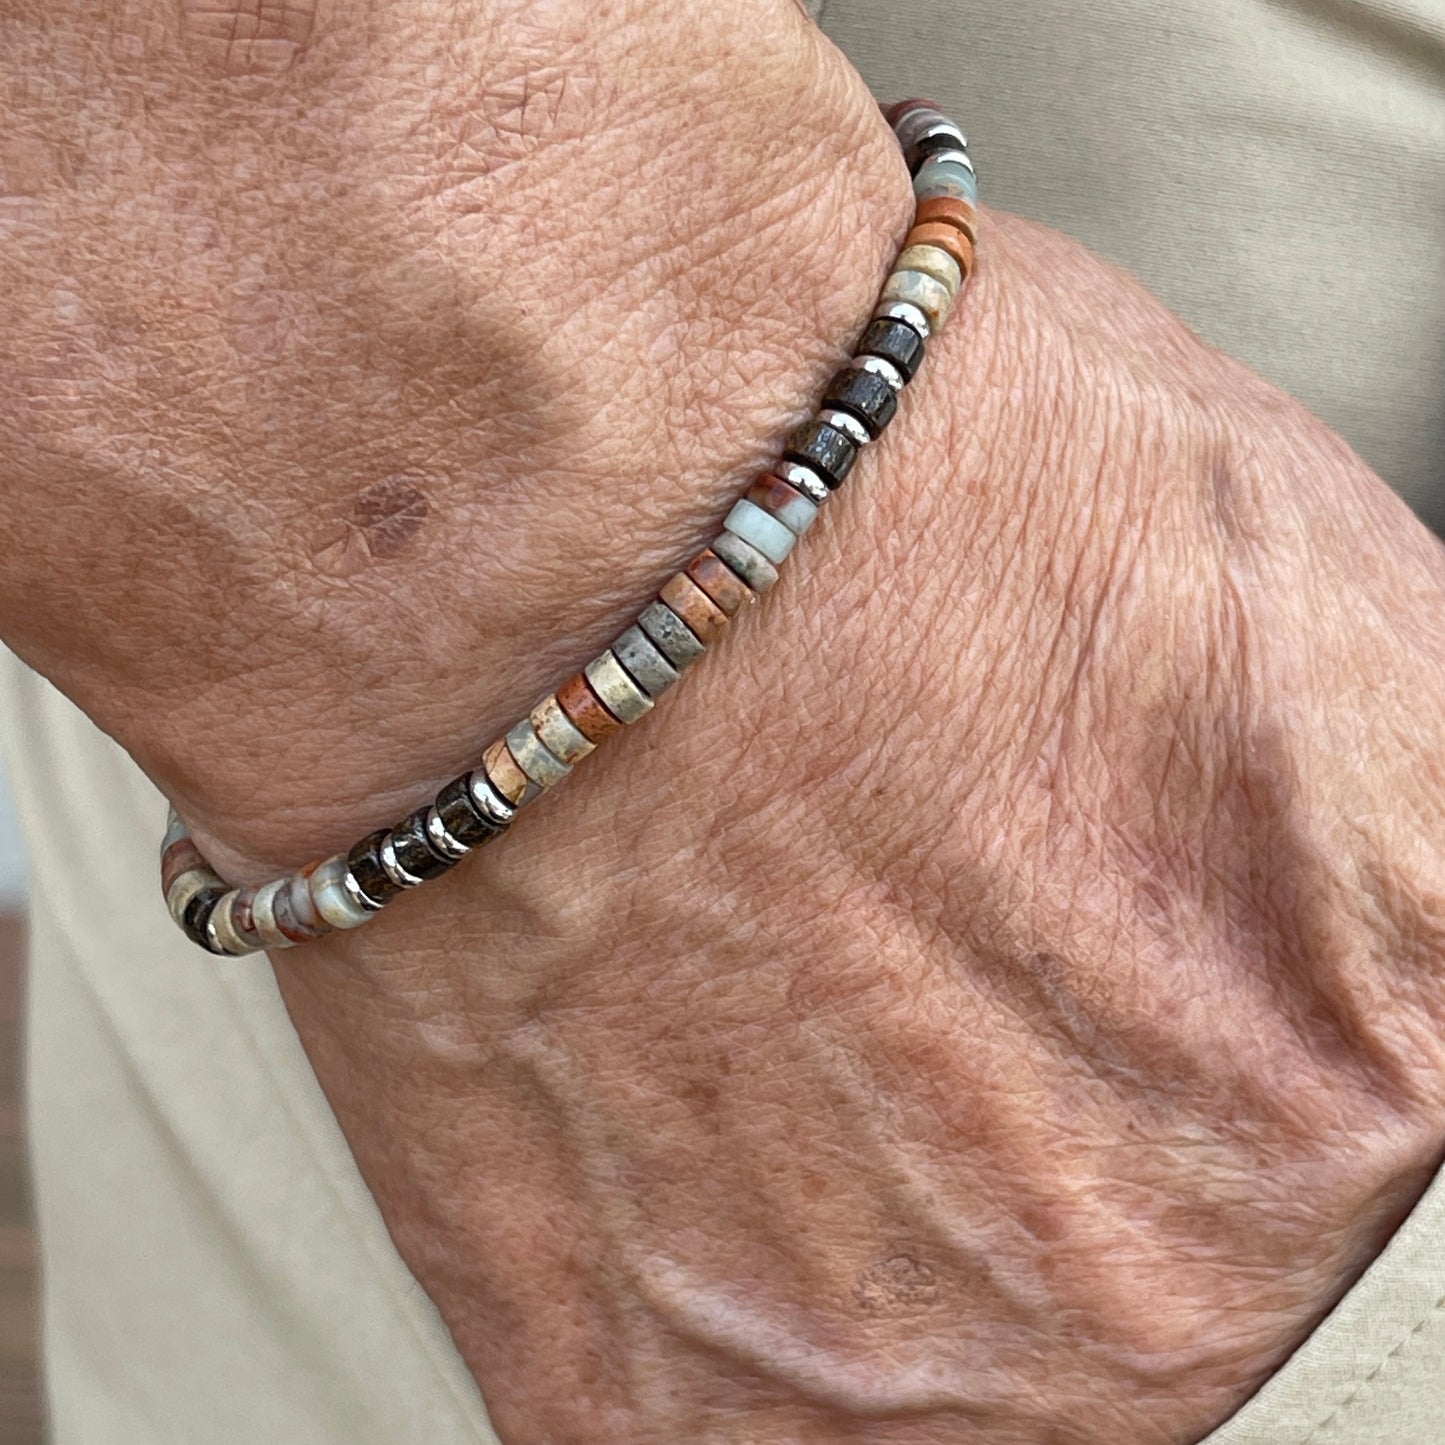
(20, 1409)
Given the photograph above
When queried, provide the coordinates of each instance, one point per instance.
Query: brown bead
(720, 582)
(576, 698)
(181, 857)
(242, 919)
(703, 616)
(946, 238)
(504, 774)
(953, 211)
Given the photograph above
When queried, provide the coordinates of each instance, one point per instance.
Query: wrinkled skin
(998, 996)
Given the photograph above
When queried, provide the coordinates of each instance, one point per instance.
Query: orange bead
(704, 617)
(576, 698)
(723, 586)
(953, 211)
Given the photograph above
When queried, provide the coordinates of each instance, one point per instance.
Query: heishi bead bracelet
(690, 612)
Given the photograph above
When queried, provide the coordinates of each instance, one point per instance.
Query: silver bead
(880, 366)
(393, 869)
(441, 841)
(905, 312)
(958, 158)
(848, 424)
(805, 479)
(488, 801)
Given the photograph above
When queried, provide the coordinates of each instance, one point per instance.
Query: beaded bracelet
(671, 632)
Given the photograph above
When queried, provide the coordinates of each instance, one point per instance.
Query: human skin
(997, 997)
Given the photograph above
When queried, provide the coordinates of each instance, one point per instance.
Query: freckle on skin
(389, 515)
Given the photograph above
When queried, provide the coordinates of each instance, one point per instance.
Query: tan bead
(576, 698)
(686, 598)
(722, 585)
(952, 211)
(928, 294)
(558, 733)
(946, 238)
(932, 261)
(506, 776)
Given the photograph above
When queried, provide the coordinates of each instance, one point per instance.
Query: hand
(997, 997)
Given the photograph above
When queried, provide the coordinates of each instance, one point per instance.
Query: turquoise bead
(774, 539)
(945, 178)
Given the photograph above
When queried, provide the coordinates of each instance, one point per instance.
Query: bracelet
(670, 634)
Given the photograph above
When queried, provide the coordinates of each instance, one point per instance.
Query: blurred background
(20, 1415)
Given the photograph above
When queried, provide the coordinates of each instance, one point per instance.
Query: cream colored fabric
(216, 1273)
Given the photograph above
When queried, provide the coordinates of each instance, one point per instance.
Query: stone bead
(932, 261)
(506, 777)
(945, 238)
(577, 699)
(949, 211)
(915, 289)
(922, 121)
(761, 529)
(864, 395)
(295, 913)
(692, 600)
(558, 733)
(673, 638)
(544, 768)
(175, 831)
(414, 850)
(795, 511)
(894, 341)
(895, 113)
(243, 917)
(746, 561)
(945, 178)
(263, 914)
(181, 857)
(825, 449)
(221, 926)
(333, 899)
(645, 663)
(364, 860)
(457, 812)
(620, 695)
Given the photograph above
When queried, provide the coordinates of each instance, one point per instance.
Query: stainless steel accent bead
(437, 835)
(938, 128)
(918, 123)
(959, 158)
(805, 479)
(488, 801)
(394, 870)
(542, 766)
(880, 366)
(907, 313)
(848, 424)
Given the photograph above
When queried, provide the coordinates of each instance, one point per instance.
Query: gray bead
(644, 661)
(674, 638)
(534, 758)
(620, 695)
(746, 561)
